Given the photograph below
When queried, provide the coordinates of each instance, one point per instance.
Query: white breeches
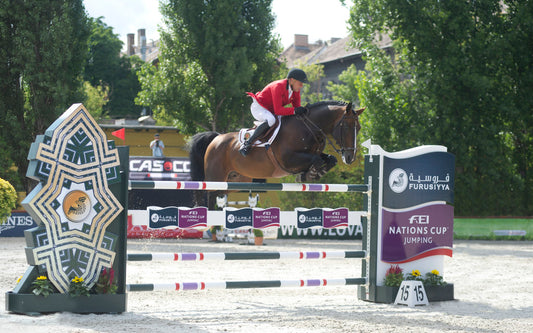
(261, 114)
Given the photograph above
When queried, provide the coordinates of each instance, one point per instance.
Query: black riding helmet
(298, 74)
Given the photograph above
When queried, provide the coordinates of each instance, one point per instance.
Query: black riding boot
(260, 130)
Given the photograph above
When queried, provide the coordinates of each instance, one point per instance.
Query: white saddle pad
(245, 133)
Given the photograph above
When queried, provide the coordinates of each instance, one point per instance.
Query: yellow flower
(77, 280)
(436, 272)
(42, 277)
(415, 272)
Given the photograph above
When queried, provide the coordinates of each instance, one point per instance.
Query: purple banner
(264, 218)
(192, 217)
(417, 233)
(335, 218)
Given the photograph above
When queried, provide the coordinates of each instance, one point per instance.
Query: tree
(211, 54)
(106, 67)
(95, 99)
(42, 52)
(453, 80)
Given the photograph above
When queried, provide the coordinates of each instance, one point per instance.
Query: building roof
(325, 52)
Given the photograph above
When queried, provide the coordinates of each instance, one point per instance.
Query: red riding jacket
(275, 96)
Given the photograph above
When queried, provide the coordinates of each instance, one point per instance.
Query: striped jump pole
(183, 286)
(235, 186)
(214, 256)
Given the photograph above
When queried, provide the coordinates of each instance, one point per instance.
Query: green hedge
(493, 228)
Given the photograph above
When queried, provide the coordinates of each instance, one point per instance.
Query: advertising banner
(181, 217)
(417, 233)
(416, 180)
(327, 218)
(15, 225)
(238, 218)
(265, 218)
(162, 168)
(416, 215)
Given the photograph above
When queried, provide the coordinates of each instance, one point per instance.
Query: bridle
(342, 123)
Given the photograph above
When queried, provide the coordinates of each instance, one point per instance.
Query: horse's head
(345, 133)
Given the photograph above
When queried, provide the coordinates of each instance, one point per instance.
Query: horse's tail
(197, 148)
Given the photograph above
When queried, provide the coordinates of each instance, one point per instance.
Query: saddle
(264, 140)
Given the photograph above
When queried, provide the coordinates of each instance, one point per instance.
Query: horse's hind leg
(212, 199)
(199, 198)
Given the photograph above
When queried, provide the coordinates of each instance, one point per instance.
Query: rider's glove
(300, 110)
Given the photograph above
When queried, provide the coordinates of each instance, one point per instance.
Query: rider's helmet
(298, 74)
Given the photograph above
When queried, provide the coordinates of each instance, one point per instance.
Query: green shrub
(8, 200)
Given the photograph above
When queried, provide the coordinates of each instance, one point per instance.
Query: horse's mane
(339, 103)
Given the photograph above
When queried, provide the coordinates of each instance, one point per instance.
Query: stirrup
(245, 149)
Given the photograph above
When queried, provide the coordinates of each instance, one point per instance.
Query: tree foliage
(8, 200)
(211, 54)
(106, 67)
(42, 53)
(460, 76)
(95, 99)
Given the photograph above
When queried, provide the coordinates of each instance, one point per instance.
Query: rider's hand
(300, 110)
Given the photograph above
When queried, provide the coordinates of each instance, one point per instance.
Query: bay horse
(297, 149)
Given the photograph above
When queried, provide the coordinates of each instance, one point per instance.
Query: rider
(272, 100)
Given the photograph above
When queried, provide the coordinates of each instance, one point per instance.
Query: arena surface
(493, 283)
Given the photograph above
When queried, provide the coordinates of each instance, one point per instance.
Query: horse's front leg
(318, 168)
(315, 169)
(330, 161)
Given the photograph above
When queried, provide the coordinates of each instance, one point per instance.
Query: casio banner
(165, 168)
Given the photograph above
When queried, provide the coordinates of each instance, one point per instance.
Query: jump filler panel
(73, 207)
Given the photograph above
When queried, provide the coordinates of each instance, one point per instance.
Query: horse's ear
(358, 112)
(349, 107)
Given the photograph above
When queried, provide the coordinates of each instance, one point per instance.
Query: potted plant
(35, 294)
(392, 281)
(258, 236)
(436, 288)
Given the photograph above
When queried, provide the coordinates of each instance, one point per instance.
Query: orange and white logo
(76, 206)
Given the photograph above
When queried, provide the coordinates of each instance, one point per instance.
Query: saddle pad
(245, 133)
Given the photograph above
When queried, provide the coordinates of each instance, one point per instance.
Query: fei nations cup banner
(416, 216)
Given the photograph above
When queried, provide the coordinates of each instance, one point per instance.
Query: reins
(308, 123)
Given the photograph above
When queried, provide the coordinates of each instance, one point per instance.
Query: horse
(297, 149)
